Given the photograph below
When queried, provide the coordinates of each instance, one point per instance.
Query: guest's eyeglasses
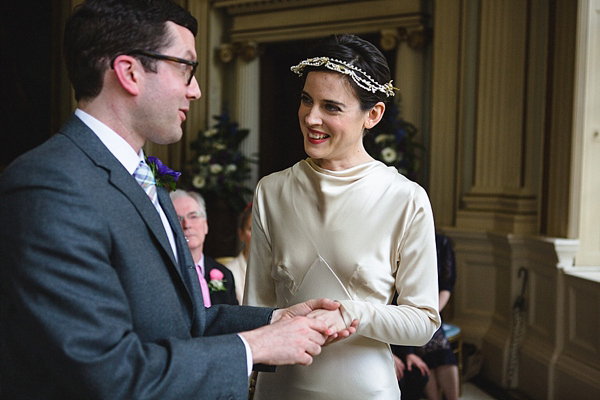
(190, 70)
(192, 217)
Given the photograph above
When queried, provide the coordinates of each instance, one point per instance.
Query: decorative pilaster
(445, 105)
(247, 102)
(500, 196)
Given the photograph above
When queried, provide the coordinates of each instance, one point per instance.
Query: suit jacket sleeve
(91, 305)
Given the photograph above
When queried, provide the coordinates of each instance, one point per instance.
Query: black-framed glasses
(158, 56)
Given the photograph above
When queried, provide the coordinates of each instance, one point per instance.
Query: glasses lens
(191, 72)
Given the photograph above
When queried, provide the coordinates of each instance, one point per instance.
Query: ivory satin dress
(355, 236)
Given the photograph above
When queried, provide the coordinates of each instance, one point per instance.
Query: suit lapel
(89, 143)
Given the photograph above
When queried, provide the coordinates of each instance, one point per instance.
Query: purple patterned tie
(144, 176)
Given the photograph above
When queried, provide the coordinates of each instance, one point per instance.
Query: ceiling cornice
(234, 7)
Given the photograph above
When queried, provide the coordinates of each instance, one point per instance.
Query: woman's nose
(312, 116)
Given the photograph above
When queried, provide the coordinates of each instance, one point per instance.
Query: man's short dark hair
(100, 30)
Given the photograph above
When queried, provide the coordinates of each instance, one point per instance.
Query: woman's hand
(399, 365)
(415, 360)
(332, 318)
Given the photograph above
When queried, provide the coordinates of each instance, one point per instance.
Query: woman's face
(332, 122)
(246, 232)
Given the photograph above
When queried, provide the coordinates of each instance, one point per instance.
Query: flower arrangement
(392, 142)
(218, 169)
(216, 283)
(163, 175)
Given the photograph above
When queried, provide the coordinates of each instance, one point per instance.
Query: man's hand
(291, 340)
(335, 333)
(303, 309)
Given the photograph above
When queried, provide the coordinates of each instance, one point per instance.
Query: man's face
(165, 95)
(194, 224)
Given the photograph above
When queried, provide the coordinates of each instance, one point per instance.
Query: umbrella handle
(523, 271)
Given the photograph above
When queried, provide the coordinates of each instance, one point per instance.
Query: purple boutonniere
(164, 175)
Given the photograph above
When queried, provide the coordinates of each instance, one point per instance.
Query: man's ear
(375, 115)
(128, 71)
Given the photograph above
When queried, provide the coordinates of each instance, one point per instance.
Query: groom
(99, 297)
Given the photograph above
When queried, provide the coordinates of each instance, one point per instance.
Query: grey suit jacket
(93, 303)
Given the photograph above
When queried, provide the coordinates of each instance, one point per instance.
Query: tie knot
(144, 176)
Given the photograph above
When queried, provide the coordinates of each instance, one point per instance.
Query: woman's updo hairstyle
(359, 53)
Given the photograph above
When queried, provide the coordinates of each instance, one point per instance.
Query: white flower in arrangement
(198, 182)
(384, 138)
(216, 168)
(389, 155)
(210, 132)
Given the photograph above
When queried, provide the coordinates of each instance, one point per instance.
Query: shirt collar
(113, 141)
(200, 263)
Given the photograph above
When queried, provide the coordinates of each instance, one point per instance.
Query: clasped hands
(297, 333)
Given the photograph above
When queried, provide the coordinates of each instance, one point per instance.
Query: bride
(342, 225)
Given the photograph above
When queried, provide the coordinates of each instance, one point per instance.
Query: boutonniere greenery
(216, 283)
(164, 175)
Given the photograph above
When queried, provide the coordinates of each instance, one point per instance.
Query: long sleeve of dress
(414, 320)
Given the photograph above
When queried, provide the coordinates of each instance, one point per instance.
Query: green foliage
(392, 142)
(218, 169)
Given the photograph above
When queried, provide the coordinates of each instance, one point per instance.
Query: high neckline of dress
(352, 172)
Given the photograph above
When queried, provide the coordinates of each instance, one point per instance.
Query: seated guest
(238, 265)
(217, 282)
(412, 372)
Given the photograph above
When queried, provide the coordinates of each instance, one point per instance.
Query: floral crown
(359, 76)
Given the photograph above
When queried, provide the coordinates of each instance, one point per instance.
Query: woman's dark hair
(244, 217)
(100, 30)
(361, 54)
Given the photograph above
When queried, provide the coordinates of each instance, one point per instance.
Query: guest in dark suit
(99, 297)
(216, 281)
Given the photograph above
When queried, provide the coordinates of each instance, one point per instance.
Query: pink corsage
(216, 283)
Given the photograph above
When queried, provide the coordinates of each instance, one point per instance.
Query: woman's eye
(332, 107)
(305, 99)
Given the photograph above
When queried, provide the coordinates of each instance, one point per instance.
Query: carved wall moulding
(247, 51)
(251, 6)
(417, 37)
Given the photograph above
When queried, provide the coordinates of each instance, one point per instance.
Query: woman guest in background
(343, 225)
(437, 353)
(237, 266)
